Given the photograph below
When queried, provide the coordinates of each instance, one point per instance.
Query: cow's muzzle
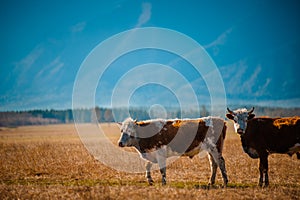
(121, 144)
(240, 131)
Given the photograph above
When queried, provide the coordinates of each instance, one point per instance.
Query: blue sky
(255, 45)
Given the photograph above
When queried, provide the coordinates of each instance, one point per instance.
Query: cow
(158, 139)
(264, 135)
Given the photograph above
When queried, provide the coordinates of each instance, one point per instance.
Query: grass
(50, 162)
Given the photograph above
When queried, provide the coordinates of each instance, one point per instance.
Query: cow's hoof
(226, 183)
(210, 183)
(208, 186)
(266, 184)
(164, 181)
(150, 182)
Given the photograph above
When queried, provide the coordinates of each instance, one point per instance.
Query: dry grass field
(50, 162)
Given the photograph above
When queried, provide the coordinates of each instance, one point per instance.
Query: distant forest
(99, 115)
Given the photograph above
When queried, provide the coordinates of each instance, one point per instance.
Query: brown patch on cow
(188, 128)
(287, 121)
(177, 123)
(143, 123)
(181, 129)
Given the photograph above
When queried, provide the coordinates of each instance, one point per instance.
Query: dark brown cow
(156, 140)
(263, 136)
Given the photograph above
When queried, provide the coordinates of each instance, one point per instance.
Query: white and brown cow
(263, 135)
(157, 139)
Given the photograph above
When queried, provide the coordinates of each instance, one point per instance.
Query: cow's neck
(244, 144)
(248, 149)
(136, 144)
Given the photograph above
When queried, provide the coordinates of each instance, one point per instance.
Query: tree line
(84, 115)
(99, 115)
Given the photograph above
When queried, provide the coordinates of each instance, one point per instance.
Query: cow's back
(183, 135)
(274, 134)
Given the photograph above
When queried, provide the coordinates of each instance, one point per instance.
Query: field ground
(50, 162)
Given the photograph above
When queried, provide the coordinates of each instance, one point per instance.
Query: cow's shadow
(220, 186)
(202, 186)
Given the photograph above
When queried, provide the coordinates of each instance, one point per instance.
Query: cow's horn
(251, 111)
(230, 111)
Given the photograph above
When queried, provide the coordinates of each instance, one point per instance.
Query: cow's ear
(251, 116)
(229, 116)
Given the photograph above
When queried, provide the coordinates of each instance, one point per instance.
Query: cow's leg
(213, 168)
(219, 161)
(163, 169)
(263, 169)
(261, 174)
(148, 173)
(223, 170)
(161, 158)
(163, 175)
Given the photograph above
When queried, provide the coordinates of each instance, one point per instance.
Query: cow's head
(128, 133)
(240, 118)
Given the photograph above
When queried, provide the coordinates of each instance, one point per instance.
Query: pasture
(50, 162)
